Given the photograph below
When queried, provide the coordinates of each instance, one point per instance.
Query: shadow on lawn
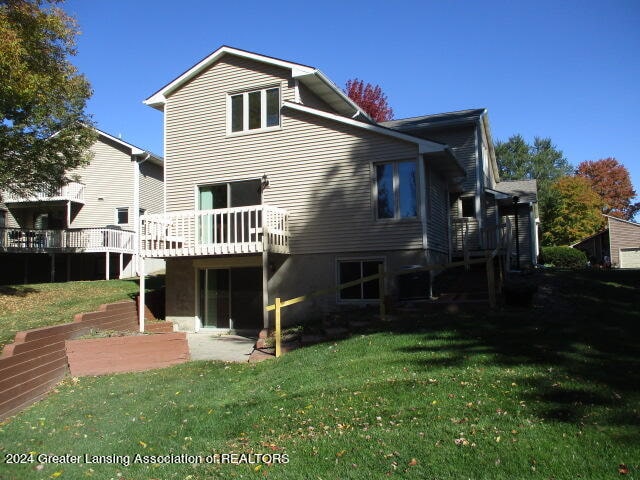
(17, 291)
(583, 330)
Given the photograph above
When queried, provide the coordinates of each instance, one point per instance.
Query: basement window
(350, 270)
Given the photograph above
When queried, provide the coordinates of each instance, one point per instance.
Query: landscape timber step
(158, 327)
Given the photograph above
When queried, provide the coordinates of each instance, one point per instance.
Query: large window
(255, 110)
(395, 190)
(349, 270)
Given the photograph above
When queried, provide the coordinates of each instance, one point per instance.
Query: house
(277, 185)
(88, 228)
(619, 242)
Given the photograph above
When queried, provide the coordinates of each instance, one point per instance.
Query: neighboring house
(619, 242)
(277, 184)
(88, 228)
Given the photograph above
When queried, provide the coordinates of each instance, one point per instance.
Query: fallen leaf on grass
(413, 462)
(623, 469)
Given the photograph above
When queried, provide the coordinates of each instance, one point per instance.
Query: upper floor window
(122, 215)
(468, 206)
(254, 110)
(395, 190)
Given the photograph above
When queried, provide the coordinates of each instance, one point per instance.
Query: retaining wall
(37, 360)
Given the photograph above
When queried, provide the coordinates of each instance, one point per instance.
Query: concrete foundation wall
(180, 281)
(289, 276)
(298, 275)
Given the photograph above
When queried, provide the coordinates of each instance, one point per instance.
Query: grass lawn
(551, 393)
(23, 307)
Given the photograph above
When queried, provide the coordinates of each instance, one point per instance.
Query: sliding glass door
(216, 228)
(214, 298)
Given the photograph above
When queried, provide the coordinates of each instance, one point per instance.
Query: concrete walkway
(212, 346)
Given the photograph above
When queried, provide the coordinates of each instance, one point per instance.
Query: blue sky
(568, 70)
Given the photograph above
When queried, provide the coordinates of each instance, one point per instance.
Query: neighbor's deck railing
(223, 231)
(73, 191)
(70, 240)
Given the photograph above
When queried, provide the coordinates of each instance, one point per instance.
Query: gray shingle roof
(527, 190)
(435, 120)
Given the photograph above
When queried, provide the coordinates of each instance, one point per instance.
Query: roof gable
(313, 78)
(134, 151)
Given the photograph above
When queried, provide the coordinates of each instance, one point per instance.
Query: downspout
(423, 217)
(479, 172)
(533, 234)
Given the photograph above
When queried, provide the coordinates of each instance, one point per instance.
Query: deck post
(381, 289)
(491, 282)
(265, 288)
(121, 264)
(53, 267)
(106, 265)
(278, 331)
(141, 299)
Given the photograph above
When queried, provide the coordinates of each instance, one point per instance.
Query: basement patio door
(214, 298)
(231, 298)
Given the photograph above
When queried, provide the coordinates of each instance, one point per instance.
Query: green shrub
(563, 257)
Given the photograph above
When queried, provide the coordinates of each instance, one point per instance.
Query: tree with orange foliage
(369, 98)
(610, 179)
(575, 212)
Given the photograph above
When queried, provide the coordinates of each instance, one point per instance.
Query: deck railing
(467, 237)
(70, 240)
(223, 231)
(73, 191)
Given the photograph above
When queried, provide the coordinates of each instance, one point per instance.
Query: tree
(44, 130)
(542, 161)
(575, 212)
(610, 179)
(370, 98)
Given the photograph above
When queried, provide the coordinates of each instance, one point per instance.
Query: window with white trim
(350, 270)
(254, 110)
(395, 190)
(122, 215)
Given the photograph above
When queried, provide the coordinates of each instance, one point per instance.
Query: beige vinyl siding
(108, 176)
(151, 188)
(462, 141)
(437, 220)
(10, 220)
(319, 170)
(622, 235)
